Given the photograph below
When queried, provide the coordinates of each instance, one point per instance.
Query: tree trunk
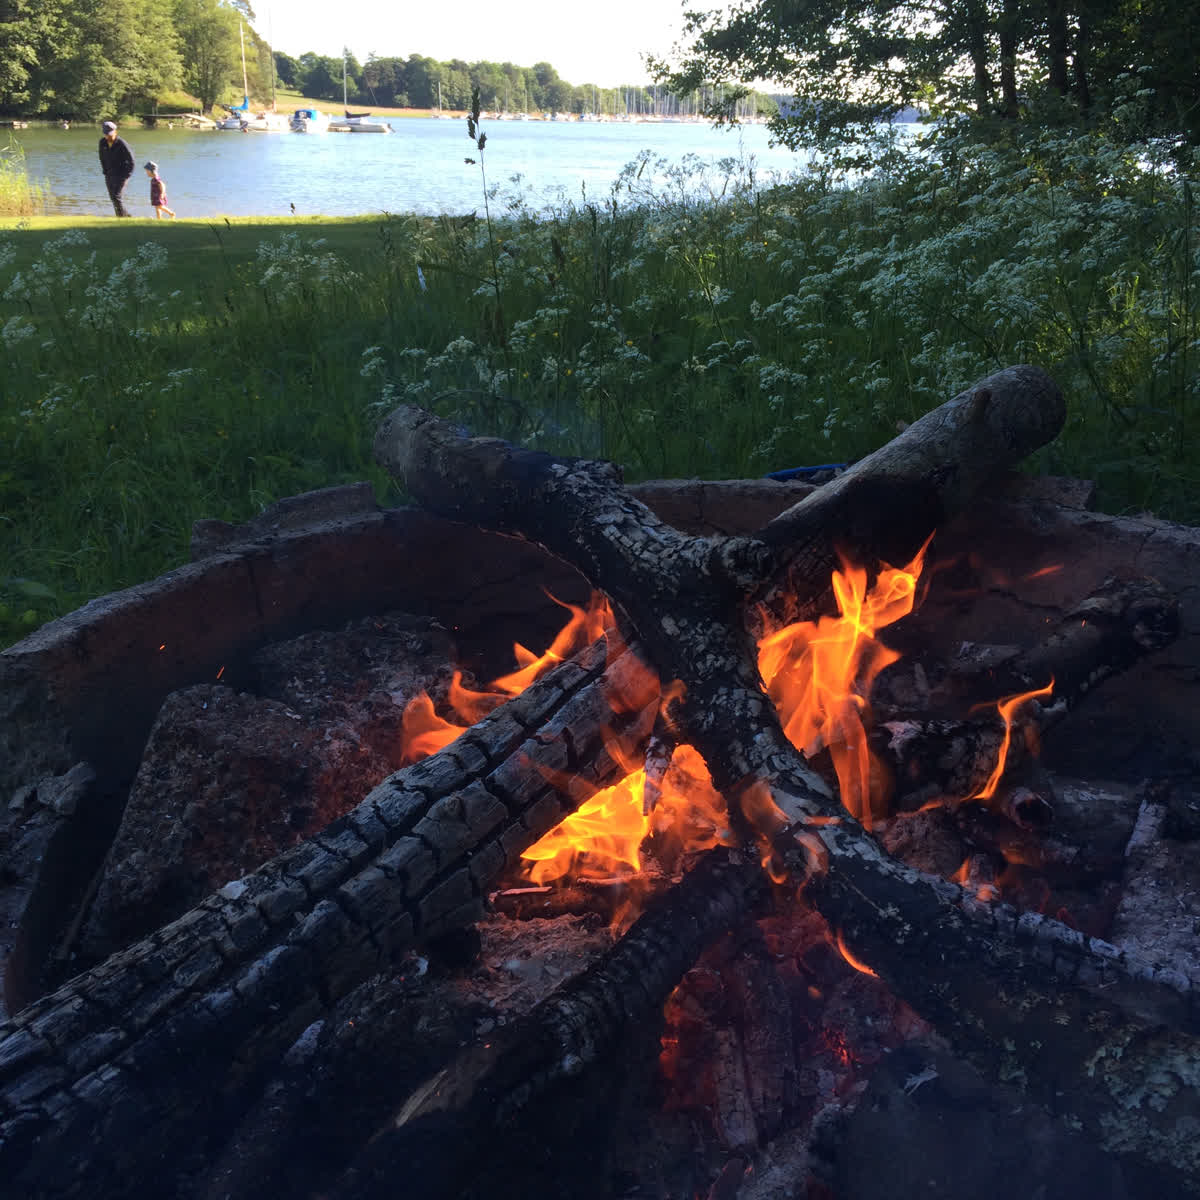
(977, 32)
(1056, 36)
(1009, 40)
(1081, 59)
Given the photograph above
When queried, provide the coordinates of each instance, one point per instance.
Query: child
(158, 193)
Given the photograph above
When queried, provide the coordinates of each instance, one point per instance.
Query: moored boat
(358, 123)
(266, 122)
(309, 120)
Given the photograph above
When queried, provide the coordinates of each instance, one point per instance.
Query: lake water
(418, 168)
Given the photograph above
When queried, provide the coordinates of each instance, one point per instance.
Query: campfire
(750, 868)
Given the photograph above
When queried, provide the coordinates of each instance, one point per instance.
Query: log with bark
(102, 1082)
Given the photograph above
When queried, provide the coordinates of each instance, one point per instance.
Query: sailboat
(355, 122)
(237, 112)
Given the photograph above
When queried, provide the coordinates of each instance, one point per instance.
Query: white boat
(309, 120)
(365, 123)
(355, 122)
(266, 122)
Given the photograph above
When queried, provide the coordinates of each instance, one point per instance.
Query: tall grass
(707, 326)
(19, 195)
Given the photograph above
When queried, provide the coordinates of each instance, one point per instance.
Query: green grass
(157, 373)
(286, 99)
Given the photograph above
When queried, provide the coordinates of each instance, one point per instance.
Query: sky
(592, 43)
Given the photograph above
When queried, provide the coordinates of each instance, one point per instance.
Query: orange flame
(767, 819)
(604, 835)
(424, 732)
(1007, 708)
(856, 963)
(819, 675)
(583, 628)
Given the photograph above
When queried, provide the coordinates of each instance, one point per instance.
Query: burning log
(965, 758)
(161, 1034)
(884, 506)
(1018, 991)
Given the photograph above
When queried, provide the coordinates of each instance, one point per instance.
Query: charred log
(883, 507)
(500, 1099)
(1021, 992)
(104, 1080)
(955, 757)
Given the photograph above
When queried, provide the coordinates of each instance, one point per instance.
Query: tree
(420, 78)
(322, 77)
(287, 69)
(208, 31)
(382, 80)
(110, 58)
(260, 66)
(32, 32)
(853, 63)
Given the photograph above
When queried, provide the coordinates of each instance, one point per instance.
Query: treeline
(88, 59)
(92, 58)
(421, 82)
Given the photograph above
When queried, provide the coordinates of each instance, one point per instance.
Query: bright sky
(592, 43)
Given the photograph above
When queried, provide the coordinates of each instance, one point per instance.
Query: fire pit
(794, 992)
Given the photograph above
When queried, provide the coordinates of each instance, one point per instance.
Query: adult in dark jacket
(116, 161)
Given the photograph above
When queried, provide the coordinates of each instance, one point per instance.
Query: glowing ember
(819, 674)
(424, 732)
(1007, 708)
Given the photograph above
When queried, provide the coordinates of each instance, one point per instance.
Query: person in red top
(158, 193)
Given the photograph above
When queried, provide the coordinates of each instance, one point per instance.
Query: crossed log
(102, 1082)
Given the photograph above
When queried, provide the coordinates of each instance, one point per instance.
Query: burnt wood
(1081, 1022)
(105, 1082)
(503, 1098)
(953, 756)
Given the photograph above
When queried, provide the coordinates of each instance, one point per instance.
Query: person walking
(158, 193)
(116, 161)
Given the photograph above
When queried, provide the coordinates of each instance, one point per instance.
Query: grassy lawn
(160, 372)
(212, 248)
(285, 100)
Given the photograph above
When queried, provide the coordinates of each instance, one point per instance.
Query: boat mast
(271, 56)
(245, 85)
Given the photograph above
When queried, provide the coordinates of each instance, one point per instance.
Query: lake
(418, 168)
